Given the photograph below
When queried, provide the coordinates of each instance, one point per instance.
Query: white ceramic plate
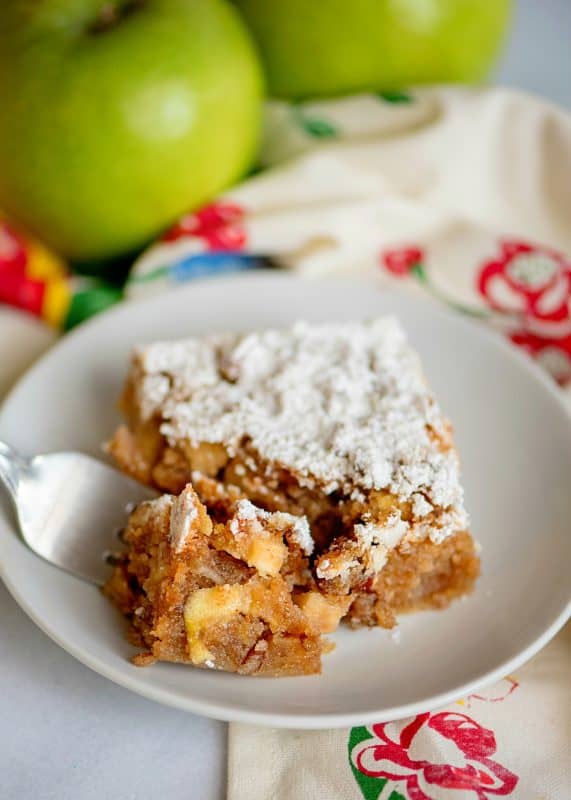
(514, 436)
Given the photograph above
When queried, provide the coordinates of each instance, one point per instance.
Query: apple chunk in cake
(221, 596)
(334, 423)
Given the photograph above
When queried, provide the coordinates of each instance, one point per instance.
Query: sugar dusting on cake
(295, 528)
(183, 514)
(345, 405)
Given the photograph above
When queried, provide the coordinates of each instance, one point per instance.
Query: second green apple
(328, 47)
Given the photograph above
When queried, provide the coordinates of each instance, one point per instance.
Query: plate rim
(290, 720)
(294, 720)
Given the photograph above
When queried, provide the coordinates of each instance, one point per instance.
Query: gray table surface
(537, 57)
(65, 732)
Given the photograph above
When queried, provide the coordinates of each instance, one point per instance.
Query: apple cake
(330, 439)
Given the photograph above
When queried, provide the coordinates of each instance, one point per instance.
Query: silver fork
(70, 508)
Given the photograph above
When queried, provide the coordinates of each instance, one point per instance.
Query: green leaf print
(371, 788)
(395, 97)
(316, 127)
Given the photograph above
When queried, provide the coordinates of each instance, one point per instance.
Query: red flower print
(434, 756)
(400, 262)
(21, 292)
(552, 353)
(219, 225)
(13, 256)
(530, 280)
(496, 693)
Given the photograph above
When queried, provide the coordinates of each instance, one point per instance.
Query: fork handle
(12, 465)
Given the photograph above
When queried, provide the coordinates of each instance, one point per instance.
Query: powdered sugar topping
(297, 528)
(183, 514)
(420, 506)
(343, 405)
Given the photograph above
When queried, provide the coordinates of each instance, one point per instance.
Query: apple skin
(106, 136)
(329, 47)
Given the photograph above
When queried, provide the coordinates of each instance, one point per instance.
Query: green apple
(118, 115)
(330, 47)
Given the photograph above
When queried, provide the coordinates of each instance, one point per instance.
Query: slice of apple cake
(334, 424)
